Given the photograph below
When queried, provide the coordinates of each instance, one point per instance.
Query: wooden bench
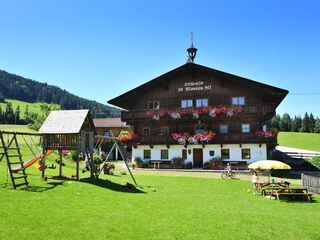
(156, 163)
(292, 192)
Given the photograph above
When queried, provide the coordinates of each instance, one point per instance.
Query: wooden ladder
(14, 161)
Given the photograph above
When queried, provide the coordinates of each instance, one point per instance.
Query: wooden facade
(194, 86)
(109, 126)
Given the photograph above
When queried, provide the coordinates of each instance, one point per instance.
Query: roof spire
(192, 51)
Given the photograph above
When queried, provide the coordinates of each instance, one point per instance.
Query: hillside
(309, 141)
(32, 107)
(19, 88)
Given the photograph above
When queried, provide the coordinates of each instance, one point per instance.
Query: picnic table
(266, 188)
(294, 193)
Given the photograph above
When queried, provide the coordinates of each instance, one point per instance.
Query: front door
(198, 158)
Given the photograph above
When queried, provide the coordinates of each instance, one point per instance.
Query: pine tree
(285, 123)
(26, 114)
(317, 126)
(9, 115)
(17, 115)
(1, 116)
(312, 123)
(296, 124)
(275, 121)
(305, 123)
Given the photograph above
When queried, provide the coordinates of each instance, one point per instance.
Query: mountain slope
(16, 87)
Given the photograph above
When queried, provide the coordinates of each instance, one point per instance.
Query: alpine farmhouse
(199, 113)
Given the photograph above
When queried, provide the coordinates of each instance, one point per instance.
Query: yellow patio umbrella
(268, 165)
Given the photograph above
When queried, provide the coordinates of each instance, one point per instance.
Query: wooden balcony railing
(218, 139)
(137, 115)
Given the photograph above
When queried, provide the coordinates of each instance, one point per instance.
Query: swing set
(10, 149)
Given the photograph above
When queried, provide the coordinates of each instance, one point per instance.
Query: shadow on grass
(110, 185)
(42, 188)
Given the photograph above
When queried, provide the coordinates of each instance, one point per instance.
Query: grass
(33, 107)
(309, 141)
(168, 205)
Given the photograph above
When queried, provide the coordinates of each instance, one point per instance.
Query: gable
(192, 79)
(66, 121)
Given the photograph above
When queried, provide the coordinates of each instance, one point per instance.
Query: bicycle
(226, 175)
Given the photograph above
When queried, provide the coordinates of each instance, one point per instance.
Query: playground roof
(109, 122)
(64, 121)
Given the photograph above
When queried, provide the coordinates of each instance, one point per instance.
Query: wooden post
(60, 163)
(42, 164)
(78, 159)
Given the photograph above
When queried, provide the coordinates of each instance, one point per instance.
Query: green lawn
(33, 107)
(168, 205)
(310, 141)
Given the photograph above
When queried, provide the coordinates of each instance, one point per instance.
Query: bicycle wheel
(224, 175)
(232, 175)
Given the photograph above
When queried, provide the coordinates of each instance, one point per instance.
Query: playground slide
(32, 160)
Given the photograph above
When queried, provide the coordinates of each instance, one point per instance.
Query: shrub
(145, 164)
(97, 160)
(177, 162)
(206, 165)
(188, 165)
(138, 161)
(73, 155)
(315, 161)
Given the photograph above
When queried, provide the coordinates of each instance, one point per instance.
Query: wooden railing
(311, 182)
(135, 115)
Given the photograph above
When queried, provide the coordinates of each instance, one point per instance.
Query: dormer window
(202, 102)
(154, 105)
(238, 101)
(187, 103)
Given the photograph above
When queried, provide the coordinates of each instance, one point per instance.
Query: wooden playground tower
(62, 130)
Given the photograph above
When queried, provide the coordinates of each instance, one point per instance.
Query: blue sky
(101, 49)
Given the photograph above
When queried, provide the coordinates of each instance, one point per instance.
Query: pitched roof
(125, 99)
(64, 121)
(109, 122)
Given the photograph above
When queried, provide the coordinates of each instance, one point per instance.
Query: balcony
(218, 139)
(138, 115)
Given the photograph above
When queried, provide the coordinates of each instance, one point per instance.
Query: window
(223, 128)
(245, 128)
(154, 105)
(201, 103)
(147, 154)
(146, 131)
(184, 153)
(225, 153)
(245, 153)
(164, 154)
(199, 128)
(106, 133)
(187, 103)
(165, 131)
(238, 101)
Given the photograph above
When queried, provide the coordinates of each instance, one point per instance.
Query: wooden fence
(311, 182)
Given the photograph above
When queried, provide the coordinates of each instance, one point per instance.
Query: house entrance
(197, 158)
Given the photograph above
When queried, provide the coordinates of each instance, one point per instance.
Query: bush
(138, 161)
(213, 163)
(73, 155)
(97, 160)
(188, 165)
(315, 161)
(177, 162)
(206, 165)
(145, 164)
